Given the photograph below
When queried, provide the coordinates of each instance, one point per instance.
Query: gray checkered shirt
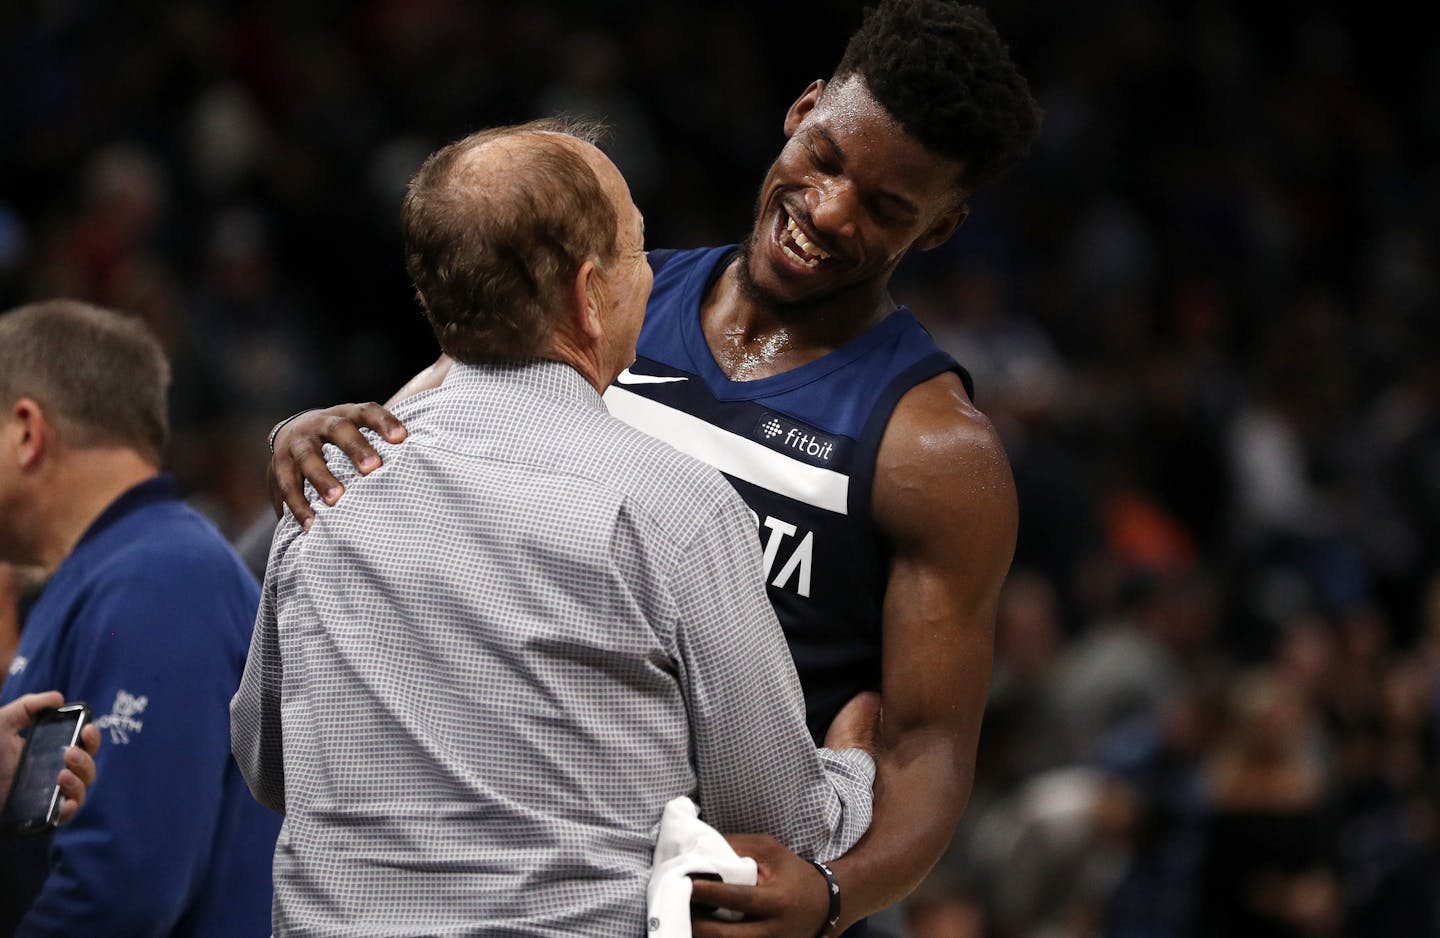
(476, 682)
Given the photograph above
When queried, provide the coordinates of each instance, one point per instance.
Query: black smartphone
(34, 802)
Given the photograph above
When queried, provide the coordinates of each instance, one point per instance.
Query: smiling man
(882, 496)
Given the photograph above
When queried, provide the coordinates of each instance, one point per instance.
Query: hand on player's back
(297, 453)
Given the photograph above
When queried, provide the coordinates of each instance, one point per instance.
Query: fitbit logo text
(796, 438)
(807, 444)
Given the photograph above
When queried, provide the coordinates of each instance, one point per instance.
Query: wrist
(831, 927)
(275, 430)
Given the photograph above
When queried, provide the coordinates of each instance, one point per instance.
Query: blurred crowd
(1205, 315)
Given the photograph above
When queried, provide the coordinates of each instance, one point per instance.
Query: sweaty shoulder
(941, 458)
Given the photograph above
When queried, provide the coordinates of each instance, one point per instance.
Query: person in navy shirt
(882, 495)
(146, 616)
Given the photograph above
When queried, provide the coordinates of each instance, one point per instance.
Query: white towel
(687, 845)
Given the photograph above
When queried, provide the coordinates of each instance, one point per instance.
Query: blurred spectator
(1132, 665)
(1271, 855)
(1048, 856)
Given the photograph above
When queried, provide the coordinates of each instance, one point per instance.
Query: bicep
(163, 663)
(945, 502)
(256, 739)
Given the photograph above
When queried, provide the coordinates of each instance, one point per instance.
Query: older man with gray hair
(479, 677)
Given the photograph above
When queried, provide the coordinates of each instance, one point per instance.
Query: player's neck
(752, 339)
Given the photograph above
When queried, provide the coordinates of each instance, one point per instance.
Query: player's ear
(587, 300)
(803, 105)
(944, 226)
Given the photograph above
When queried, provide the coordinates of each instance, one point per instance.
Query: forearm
(920, 794)
(120, 876)
(772, 780)
(127, 865)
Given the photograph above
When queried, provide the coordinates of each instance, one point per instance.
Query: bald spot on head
(496, 226)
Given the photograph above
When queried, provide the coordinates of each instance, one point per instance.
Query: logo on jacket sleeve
(121, 720)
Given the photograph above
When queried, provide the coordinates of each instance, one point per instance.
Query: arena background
(1203, 315)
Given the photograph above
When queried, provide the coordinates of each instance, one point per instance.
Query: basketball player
(882, 496)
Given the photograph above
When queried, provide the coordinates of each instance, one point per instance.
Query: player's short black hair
(945, 75)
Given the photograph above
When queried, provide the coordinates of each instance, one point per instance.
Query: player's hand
(297, 456)
(79, 772)
(857, 725)
(790, 898)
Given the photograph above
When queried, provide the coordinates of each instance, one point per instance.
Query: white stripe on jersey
(731, 453)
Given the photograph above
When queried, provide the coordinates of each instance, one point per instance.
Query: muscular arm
(945, 501)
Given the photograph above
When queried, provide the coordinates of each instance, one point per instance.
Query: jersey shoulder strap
(659, 257)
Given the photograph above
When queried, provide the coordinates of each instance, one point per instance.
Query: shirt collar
(157, 488)
(540, 376)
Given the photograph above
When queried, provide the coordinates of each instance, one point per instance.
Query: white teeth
(805, 244)
(808, 262)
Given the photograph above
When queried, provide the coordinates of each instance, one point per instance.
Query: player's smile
(849, 194)
(797, 246)
(796, 242)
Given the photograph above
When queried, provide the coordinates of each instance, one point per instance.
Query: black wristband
(832, 918)
(275, 430)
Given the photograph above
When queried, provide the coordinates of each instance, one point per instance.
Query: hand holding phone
(37, 796)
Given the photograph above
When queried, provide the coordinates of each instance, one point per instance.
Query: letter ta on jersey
(798, 565)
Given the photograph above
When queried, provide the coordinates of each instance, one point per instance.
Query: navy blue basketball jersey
(800, 448)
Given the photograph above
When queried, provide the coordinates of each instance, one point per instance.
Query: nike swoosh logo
(629, 377)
